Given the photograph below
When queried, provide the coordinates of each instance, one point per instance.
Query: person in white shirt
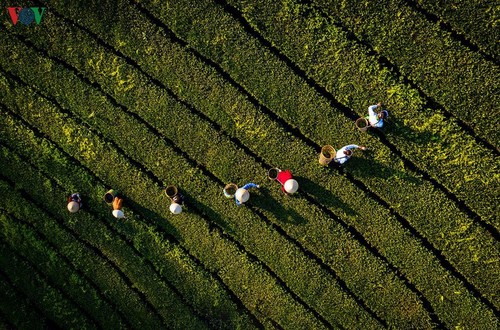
(377, 119)
(344, 153)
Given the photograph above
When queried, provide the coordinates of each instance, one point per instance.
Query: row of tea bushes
(170, 54)
(171, 119)
(256, 232)
(48, 298)
(412, 208)
(239, 270)
(462, 81)
(473, 19)
(90, 246)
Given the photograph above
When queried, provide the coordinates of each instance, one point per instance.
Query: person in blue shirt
(344, 153)
(242, 195)
(377, 119)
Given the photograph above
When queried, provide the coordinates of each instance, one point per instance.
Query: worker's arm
(354, 146)
(371, 110)
(250, 185)
(351, 146)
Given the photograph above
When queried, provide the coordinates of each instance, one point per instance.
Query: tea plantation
(138, 95)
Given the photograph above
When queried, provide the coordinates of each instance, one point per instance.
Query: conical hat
(242, 195)
(73, 207)
(175, 208)
(291, 186)
(118, 214)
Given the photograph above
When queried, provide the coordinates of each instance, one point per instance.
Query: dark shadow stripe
(194, 163)
(123, 238)
(344, 109)
(233, 296)
(275, 324)
(405, 223)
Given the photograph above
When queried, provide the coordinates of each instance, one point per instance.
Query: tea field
(137, 95)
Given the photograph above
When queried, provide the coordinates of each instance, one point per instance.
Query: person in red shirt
(288, 184)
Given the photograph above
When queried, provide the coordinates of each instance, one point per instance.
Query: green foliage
(218, 253)
(461, 80)
(215, 144)
(433, 143)
(45, 296)
(29, 243)
(471, 19)
(360, 274)
(25, 315)
(123, 104)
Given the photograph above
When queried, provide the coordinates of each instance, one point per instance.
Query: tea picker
(344, 153)
(241, 195)
(176, 198)
(377, 119)
(115, 200)
(374, 119)
(117, 207)
(74, 203)
(288, 184)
